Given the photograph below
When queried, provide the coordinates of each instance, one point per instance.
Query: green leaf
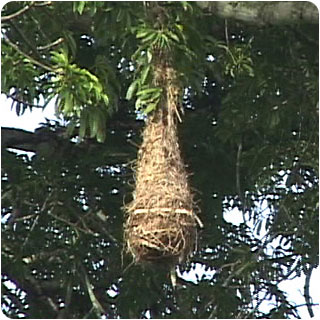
(101, 135)
(144, 74)
(105, 98)
(97, 92)
(93, 122)
(149, 56)
(79, 6)
(131, 90)
(150, 38)
(148, 91)
(142, 34)
(70, 127)
(139, 104)
(101, 132)
(173, 36)
(150, 107)
(83, 124)
(186, 5)
(68, 104)
(249, 69)
(179, 27)
(88, 85)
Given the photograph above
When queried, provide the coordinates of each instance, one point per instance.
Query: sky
(294, 288)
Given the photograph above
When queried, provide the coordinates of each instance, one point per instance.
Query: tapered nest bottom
(160, 234)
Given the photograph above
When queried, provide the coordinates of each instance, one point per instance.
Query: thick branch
(263, 13)
(24, 140)
(44, 139)
(18, 139)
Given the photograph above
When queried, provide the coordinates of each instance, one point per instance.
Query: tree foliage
(249, 136)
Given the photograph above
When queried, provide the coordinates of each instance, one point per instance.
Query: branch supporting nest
(161, 220)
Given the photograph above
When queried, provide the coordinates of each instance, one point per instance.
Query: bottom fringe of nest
(160, 234)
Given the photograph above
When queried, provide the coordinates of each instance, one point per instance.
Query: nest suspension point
(160, 222)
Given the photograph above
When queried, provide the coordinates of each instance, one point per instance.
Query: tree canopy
(249, 137)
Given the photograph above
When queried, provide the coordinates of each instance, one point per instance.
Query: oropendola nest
(161, 222)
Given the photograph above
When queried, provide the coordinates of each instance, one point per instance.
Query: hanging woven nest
(161, 222)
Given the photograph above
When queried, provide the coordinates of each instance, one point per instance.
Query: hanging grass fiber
(161, 223)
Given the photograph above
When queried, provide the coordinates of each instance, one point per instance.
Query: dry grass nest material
(161, 223)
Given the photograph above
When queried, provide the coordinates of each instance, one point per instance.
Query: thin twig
(307, 292)
(49, 256)
(133, 143)
(25, 217)
(24, 38)
(258, 303)
(238, 185)
(34, 61)
(226, 31)
(25, 9)
(67, 300)
(232, 265)
(74, 225)
(36, 219)
(95, 302)
(104, 231)
(51, 45)
(11, 96)
(30, 232)
(87, 315)
(17, 13)
(43, 4)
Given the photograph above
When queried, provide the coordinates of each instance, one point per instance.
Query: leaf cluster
(80, 95)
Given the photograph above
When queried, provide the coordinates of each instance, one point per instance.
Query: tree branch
(264, 13)
(42, 137)
(24, 140)
(99, 310)
(67, 299)
(34, 61)
(307, 292)
(51, 45)
(238, 183)
(15, 99)
(74, 225)
(24, 10)
(24, 38)
(17, 13)
(38, 292)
